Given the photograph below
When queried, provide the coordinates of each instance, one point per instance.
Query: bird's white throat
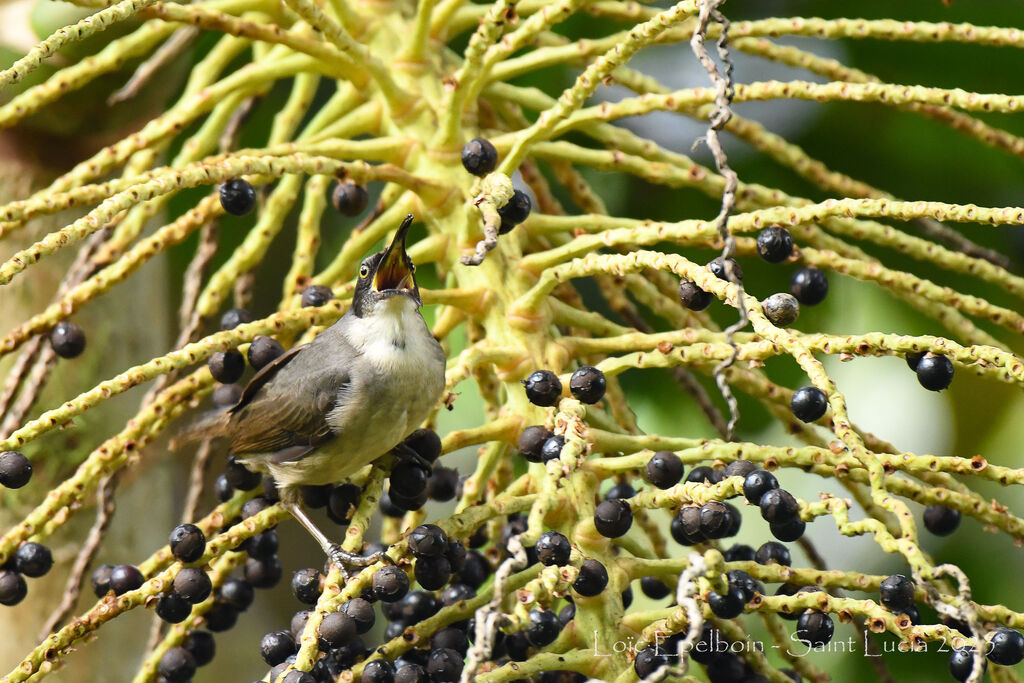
(393, 333)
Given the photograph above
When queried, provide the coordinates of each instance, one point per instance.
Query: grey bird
(323, 410)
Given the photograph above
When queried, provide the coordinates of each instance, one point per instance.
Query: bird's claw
(343, 559)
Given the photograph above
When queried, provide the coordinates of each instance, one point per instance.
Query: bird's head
(386, 274)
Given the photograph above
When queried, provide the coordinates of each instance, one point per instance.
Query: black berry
(316, 295)
(361, 612)
(349, 199)
(718, 269)
(715, 520)
(453, 639)
(622, 490)
(649, 660)
(263, 351)
(173, 608)
(342, 502)
(543, 628)
(913, 359)
(727, 606)
(177, 665)
(815, 628)
(277, 646)
(67, 339)
(809, 403)
(613, 518)
(33, 560)
(781, 309)
(336, 629)
(428, 540)
(693, 297)
(532, 440)
(426, 443)
(443, 483)
(201, 646)
(788, 531)
(654, 588)
(774, 244)
(897, 592)
(124, 578)
(543, 388)
(15, 470)
(390, 584)
(809, 286)
(187, 542)
(221, 617)
(552, 448)
(779, 506)
(262, 545)
(758, 483)
(237, 593)
(704, 475)
(444, 665)
(664, 469)
(587, 384)
(408, 479)
(240, 477)
(941, 521)
(235, 317)
(515, 212)
(772, 552)
(237, 196)
(432, 573)
(934, 372)
(227, 366)
(1005, 646)
(193, 584)
(306, 585)
(13, 588)
(553, 549)
(223, 396)
(961, 663)
(592, 579)
(479, 156)
(739, 552)
(100, 579)
(263, 572)
(316, 497)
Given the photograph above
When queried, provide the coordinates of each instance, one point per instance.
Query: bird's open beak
(393, 271)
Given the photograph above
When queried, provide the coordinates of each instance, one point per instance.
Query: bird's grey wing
(286, 404)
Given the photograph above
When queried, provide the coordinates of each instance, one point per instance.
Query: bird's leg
(404, 451)
(339, 557)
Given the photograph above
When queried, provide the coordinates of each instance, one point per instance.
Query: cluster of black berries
(228, 366)
(479, 157)
(712, 650)
(30, 559)
(808, 286)
(587, 385)
(419, 476)
(338, 635)
(934, 372)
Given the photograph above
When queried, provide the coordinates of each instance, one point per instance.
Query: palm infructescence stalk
(387, 93)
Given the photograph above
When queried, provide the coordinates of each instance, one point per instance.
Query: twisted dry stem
(396, 114)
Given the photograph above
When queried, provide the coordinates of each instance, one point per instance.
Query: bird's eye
(364, 270)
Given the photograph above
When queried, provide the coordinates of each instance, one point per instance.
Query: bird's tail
(209, 425)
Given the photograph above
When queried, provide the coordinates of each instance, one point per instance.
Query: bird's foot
(343, 559)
